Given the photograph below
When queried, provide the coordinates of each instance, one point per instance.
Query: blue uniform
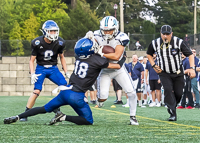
(46, 59)
(136, 74)
(75, 100)
(52, 73)
(83, 77)
(152, 73)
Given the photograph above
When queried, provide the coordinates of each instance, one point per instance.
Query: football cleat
(126, 105)
(99, 104)
(133, 120)
(56, 118)
(10, 120)
(153, 104)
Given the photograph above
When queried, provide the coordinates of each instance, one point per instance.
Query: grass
(110, 125)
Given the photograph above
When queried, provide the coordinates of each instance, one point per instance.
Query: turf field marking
(167, 122)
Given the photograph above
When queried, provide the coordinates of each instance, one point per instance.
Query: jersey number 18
(81, 69)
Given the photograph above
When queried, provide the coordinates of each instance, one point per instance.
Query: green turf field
(110, 125)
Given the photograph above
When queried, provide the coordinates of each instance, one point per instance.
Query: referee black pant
(173, 85)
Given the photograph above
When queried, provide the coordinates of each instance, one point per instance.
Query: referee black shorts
(154, 85)
(116, 86)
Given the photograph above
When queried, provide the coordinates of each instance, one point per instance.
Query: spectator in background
(194, 80)
(154, 82)
(187, 87)
(146, 87)
(137, 73)
(93, 93)
(138, 46)
(187, 40)
(118, 91)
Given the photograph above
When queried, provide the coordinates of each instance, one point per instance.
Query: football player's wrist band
(153, 65)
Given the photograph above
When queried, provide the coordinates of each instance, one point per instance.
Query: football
(108, 49)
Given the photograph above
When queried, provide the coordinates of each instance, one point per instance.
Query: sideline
(167, 122)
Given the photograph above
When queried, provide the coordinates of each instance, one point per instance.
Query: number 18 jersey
(86, 72)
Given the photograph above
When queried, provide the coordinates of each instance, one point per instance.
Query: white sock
(132, 103)
(150, 97)
(63, 118)
(127, 101)
(140, 102)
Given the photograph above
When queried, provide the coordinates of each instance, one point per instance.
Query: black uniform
(86, 72)
(46, 54)
(172, 76)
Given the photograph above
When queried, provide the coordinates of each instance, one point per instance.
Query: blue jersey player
(87, 68)
(45, 50)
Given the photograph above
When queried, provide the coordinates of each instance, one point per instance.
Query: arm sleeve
(62, 46)
(150, 50)
(147, 66)
(185, 49)
(101, 62)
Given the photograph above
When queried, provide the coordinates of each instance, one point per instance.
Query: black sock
(77, 120)
(27, 109)
(116, 96)
(32, 112)
(56, 110)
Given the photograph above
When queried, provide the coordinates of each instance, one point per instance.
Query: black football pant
(173, 85)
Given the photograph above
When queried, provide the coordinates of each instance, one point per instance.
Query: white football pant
(124, 80)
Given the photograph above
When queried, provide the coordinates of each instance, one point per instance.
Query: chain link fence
(144, 40)
(23, 47)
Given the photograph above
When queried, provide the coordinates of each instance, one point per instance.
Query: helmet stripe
(106, 21)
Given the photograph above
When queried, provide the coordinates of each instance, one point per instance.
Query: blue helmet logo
(83, 48)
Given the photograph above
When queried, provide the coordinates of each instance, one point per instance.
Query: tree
(83, 20)
(15, 40)
(177, 14)
(30, 27)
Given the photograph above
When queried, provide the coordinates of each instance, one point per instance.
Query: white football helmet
(109, 23)
(47, 27)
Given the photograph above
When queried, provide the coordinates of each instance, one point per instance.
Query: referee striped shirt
(169, 54)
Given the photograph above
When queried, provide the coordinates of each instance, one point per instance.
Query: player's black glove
(121, 62)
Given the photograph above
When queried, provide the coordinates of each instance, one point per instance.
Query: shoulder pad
(60, 41)
(97, 32)
(36, 41)
(123, 38)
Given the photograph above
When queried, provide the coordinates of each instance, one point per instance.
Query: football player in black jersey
(45, 49)
(87, 68)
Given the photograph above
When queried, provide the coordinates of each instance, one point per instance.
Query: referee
(169, 66)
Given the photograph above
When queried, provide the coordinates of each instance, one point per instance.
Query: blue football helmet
(49, 26)
(84, 48)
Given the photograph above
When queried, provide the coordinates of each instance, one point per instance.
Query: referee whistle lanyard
(164, 46)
